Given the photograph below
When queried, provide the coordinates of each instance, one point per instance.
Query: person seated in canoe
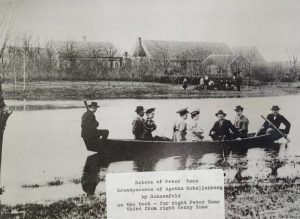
(241, 122)
(180, 127)
(138, 123)
(194, 131)
(276, 119)
(89, 132)
(223, 129)
(149, 125)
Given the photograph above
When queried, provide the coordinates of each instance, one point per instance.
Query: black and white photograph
(101, 101)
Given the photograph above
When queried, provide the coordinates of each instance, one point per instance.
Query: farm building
(85, 52)
(226, 65)
(177, 58)
(250, 53)
(69, 59)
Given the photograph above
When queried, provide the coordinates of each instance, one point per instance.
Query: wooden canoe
(125, 145)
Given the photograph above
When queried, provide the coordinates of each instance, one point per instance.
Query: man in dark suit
(138, 123)
(89, 132)
(223, 129)
(276, 119)
(241, 122)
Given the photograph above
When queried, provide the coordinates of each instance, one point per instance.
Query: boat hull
(119, 146)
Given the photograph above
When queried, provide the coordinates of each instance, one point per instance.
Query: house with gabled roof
(172, 55)
(226, 65)
(250, 53)
(86, 52)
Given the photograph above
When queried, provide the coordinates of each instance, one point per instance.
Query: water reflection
(57, 132)
(255, 163)
(236, 162)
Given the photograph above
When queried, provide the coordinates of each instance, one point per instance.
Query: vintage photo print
(149, 109)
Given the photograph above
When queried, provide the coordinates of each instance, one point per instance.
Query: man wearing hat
(138, 123)
(89, 132)
(223, 129)
(241, 122)
(149, 125)
(276, 119)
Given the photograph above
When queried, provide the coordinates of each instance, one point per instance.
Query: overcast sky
(272, 26)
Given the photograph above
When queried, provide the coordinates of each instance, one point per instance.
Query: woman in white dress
(194, 131)
(180, 127)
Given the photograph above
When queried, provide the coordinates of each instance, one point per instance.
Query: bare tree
(97, 52)
(293, 60)
(140, 65)
(15, 57)
(277, 71)
(32, 50)
(161, 56)
(50, 60)
(250, 58)
(110, 52)
(71, 54)
(183, 58)
(198, 66)
(8, 11)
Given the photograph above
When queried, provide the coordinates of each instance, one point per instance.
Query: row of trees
(27, 57)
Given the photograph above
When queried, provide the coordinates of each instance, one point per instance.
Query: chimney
(84, 38)
(126, 54)
(140, 41)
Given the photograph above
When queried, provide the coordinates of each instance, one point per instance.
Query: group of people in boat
(143, 125)
(222, 129)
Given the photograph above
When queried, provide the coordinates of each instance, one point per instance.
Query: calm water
(42, 144)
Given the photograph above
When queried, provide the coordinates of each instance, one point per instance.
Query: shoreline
(136, 90)
(260, 198)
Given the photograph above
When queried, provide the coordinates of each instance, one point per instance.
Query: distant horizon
(272, 26)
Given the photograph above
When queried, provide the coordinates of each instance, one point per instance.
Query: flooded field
(45, 159)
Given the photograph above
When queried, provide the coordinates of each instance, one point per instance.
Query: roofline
(175, 41)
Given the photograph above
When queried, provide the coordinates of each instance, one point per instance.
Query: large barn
(250, 53)
(226, 65)
(184, 58)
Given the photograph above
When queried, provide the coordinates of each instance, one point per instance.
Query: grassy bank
(278, 200)
(116, 90)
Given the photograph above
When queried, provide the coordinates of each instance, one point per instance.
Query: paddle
(85, 103)
(277, 129)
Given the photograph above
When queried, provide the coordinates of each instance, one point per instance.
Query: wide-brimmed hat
(275, 107)
(94, 105)
(139, 109)
(150, 110)
(220, 112)
(183, 111)
(238, 108)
